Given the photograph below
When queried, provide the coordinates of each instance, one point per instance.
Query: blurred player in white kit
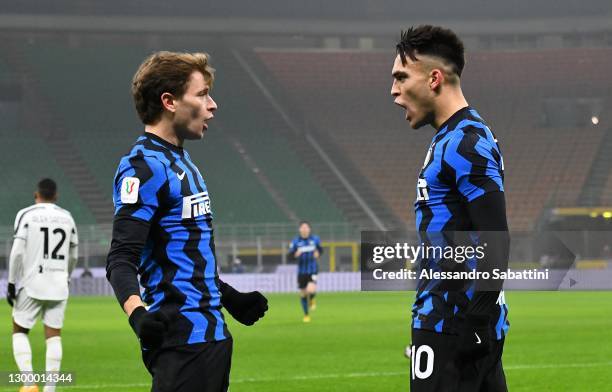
(44, 253)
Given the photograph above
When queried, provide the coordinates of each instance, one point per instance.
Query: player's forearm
(15, 258)
(496, 257)
(124, 280)
(129, 238)
(12, 271)
(133, 302)
(73, 258)
(488, 214)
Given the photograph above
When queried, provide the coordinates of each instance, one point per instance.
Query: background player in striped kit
(458, 329)
(306, 248)
(44, 253)
(163, 232)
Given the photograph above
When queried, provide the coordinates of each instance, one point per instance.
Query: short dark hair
(435, 41)
(304, 222)
(47, 189)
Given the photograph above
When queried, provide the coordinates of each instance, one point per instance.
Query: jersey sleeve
(74, 236)
(293, 246)
(73, 251)
(18, 248)
(137, 186)
(473, 163)
(138, 193)
(21, 226)
(318, 245)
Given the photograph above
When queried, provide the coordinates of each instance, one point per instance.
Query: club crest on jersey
(196, 205)
(129, 190)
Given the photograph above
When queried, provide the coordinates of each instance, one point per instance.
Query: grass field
(557, 342)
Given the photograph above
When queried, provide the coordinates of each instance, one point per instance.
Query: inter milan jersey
(463, 163)
(307, 263)
(156, 182)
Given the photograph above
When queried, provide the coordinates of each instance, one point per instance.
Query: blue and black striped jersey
(463, 163)
(157, 183)
(307, 263)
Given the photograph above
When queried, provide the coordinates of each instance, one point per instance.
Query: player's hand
(298, 254)
(408, 351)
(316, 254)
(474, 338)
(11, 294)
(246, 308)
(150, 327)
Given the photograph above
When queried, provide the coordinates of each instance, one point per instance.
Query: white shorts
(27, 310)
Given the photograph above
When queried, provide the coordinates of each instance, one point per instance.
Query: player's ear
(168, 102)
(436, 78)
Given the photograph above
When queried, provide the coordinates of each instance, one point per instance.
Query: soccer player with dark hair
(458, 328)
(306, 248)
(162, 232)
(44, 254)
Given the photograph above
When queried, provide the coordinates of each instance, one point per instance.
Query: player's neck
(452, 103)
(164, 131)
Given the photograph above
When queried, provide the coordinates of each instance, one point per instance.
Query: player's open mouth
(205, 125)
(407, 115)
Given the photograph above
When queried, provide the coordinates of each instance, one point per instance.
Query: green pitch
(355, 342)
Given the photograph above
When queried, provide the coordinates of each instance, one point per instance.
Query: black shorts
(201, 367)
(304, 279)
(434, 368)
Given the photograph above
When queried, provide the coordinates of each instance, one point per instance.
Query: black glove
(246, 308)
(150, 327)
(474, 338)
(11, 294)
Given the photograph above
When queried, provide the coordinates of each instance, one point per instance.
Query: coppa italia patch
(129, 190)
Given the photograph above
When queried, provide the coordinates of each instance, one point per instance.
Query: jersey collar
(163, 142)
(453, 120)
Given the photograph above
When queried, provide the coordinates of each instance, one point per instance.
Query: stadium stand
(606, 196)
(343, 10)
(597, 190)
(19, 147)
(250, 118)
(336, 107)
(25, 149)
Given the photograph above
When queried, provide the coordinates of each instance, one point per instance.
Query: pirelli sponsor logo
(307, 248)
(196, 205)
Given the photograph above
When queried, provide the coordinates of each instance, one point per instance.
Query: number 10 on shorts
(420, 355)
